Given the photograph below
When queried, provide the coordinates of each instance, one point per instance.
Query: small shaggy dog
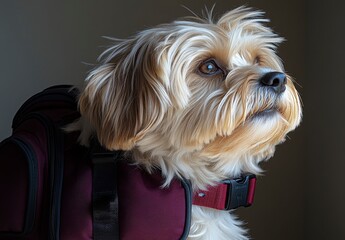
(200, 99)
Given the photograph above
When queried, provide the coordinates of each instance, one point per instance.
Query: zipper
(55, 146)
(55, 152)
(59, 93)
(33, 184)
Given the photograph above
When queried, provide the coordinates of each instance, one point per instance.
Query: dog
(200, 99)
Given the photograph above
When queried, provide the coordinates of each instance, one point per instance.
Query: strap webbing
(105, 200)
(229, 194)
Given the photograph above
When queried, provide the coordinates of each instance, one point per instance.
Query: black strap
(105, 200)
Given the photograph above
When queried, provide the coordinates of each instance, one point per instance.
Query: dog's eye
(210, 67)
(257, 60)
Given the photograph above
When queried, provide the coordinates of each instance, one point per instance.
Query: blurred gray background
(302, 194)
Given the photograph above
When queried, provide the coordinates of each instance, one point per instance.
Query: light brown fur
(148, 97)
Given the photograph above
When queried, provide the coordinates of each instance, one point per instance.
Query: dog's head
(211, 94)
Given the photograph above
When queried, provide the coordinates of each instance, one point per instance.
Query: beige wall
(301, 195)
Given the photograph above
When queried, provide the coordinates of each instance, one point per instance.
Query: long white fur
(147, 97)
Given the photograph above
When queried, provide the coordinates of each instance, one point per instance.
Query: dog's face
(210, 97)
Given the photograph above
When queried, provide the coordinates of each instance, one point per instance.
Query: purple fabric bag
(45, 178)
(148, 211)
(46, 182)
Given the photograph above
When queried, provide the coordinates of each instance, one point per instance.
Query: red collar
(230, 194)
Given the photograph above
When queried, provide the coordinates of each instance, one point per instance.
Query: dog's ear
(124, 97)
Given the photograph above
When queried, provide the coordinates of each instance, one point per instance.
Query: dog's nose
(274, 80)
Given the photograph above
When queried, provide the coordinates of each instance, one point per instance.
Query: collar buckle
(240, 191)
(229, 194)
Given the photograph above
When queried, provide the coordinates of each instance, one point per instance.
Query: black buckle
(238, 191)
